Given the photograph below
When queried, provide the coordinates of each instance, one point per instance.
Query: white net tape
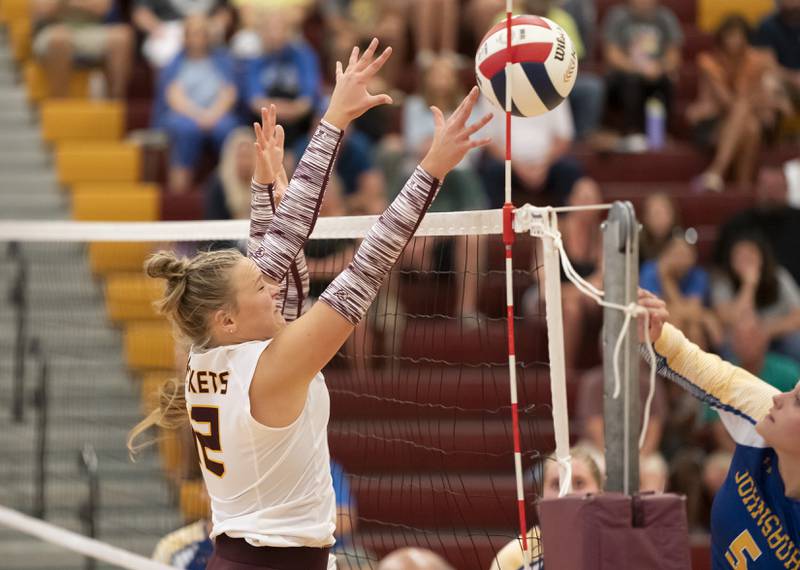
(76, 542)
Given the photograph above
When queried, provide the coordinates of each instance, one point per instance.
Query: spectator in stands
(776, 216)
(590, 410)
(583, 243)
(435, 22)
(188, 547)
(780, 32)
(161, 21)
(195, 100)
(584, 12)
(659, 219)
(588, 95)
(228, 188)
(461, 191)
(287, 75)
(740, 100)
(72, 33)
(543, 172)
(587, 478)
(350, 23)
(246, 42)
(414, 559)
(642, 52)
(750, 281)
(676, 277)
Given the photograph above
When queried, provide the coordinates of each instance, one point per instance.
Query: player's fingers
(478, 125)
(339, 70)
(464, 109)
(366, 58)
(382, 99)
(259, 133)
(376, 65)
(279, 136)
(353, 57)
(438, 117)
(477, 143)
(269, 127)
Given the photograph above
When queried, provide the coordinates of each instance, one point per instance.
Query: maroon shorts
(238, 554)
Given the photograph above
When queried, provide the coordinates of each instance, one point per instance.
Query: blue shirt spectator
(695, 283)
(289, 77)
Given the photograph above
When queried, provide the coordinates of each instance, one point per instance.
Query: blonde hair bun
(166, 265)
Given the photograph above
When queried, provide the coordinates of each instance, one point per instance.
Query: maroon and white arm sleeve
(295, 218)
(294, 287)
(353, 291)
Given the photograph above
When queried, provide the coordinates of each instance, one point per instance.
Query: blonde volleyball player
(254, 393)
(755, 518)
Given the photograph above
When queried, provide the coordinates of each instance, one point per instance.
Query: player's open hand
(657, 311)
(451, 139)
(269, 147)
(350, 98)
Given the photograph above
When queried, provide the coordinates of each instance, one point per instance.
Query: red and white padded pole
(508, 242)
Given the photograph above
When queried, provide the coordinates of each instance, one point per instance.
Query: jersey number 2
(210, 439)
(741, 549)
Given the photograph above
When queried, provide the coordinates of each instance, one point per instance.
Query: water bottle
(655, 123)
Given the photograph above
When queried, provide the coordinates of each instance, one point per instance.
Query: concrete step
(24, 160)
(18, 204)
(12, 95)
(17, 116)
(29, 182)
(12, 139)
(114, 495)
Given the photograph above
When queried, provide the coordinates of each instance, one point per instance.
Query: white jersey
(270, 486)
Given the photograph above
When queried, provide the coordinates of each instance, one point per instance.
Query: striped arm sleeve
(353, 291)
(295, 218)
(295, 286)
(741, 398)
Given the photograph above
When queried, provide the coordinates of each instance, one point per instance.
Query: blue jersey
(754, 525)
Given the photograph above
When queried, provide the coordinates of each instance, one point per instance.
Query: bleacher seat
(19, 31)
(711, 12)
(149, 346)
(11, 10)
(142, 205)
(106, 257)
(130, 297)
(81, 119)
(36, 83)
(98, 162)
(150, 386)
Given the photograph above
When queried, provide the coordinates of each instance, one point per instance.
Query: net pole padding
(620, 350)
(76, 542)
(508, 243)
(555, 347)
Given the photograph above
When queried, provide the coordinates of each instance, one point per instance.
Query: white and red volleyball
(544, 65)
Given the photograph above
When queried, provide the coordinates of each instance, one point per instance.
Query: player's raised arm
(707, 377)
(267, 187)
(296, 215)
(305, 347)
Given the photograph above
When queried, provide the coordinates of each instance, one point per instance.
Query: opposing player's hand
(451, 139)
(350, 98)
(657, 310)
(269, 147)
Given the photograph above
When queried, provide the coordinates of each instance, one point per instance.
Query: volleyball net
(422, 424)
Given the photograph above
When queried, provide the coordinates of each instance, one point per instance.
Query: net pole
(620, 281)
(508, 242)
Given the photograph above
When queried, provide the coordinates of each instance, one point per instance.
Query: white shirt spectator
(532, 138)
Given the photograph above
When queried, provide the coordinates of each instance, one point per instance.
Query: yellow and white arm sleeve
(741, 398)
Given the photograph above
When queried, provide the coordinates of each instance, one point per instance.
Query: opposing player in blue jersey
(755, 519)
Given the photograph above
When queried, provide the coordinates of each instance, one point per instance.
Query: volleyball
(544, 65)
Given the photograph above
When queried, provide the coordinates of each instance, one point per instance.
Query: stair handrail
(87, 511)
